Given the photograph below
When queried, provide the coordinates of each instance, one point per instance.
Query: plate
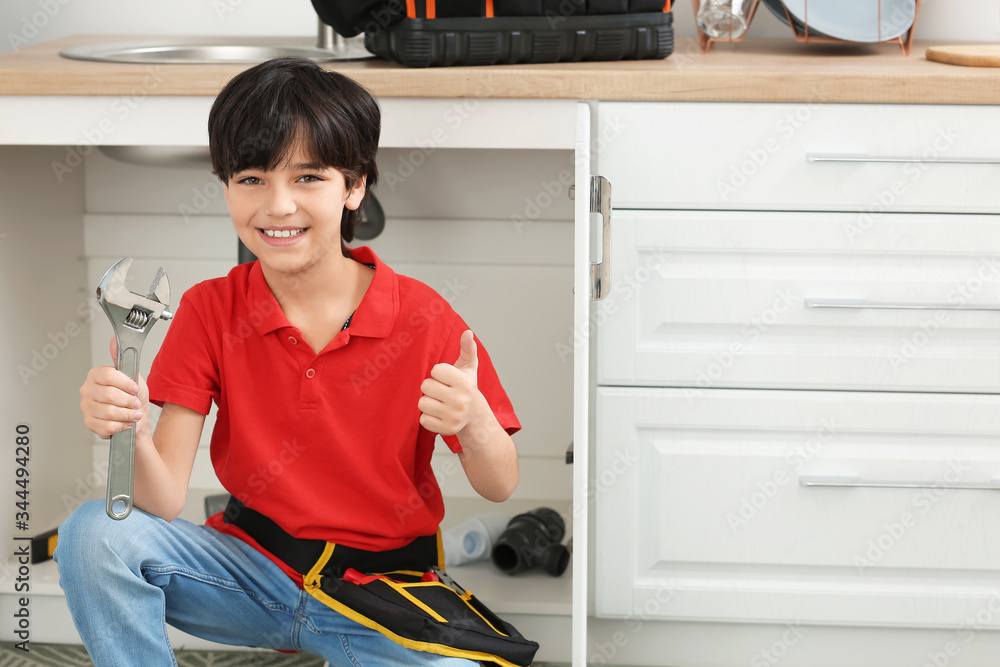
(857, 20)
(779, 10)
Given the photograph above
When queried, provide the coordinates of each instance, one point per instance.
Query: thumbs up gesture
(451, 395)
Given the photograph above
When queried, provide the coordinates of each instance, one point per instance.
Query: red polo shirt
(328, 445)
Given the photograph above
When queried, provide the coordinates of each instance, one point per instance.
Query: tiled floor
(57, 655)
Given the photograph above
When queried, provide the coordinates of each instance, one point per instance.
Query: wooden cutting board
(969, 55)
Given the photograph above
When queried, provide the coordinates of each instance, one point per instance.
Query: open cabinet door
(591, 281)
(581, 384)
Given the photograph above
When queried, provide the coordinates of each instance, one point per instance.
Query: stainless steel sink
(216, 50)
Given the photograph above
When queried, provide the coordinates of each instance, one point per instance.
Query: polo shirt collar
(373, 318)
(378, 309)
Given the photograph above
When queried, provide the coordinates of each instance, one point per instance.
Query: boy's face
(290, 217)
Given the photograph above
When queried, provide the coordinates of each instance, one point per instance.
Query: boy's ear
(356, 194)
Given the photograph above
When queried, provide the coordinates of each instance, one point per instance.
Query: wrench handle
(121, 463)
(121, 466)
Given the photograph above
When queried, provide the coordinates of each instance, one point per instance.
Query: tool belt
(403, 593)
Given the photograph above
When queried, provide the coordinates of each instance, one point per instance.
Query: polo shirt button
(291, 339)
(311, 372)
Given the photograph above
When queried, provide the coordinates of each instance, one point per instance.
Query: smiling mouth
(282, 233)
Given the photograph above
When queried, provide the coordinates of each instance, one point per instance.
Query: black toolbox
(424, 33)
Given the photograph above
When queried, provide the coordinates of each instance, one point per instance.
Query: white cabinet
(839, 508)
(798, 365)
(708, 299)
(865, 158)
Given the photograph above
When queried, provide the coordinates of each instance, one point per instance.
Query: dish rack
(705, 41)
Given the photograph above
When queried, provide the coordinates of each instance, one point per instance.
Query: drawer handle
(851, 482)
(861, 157)
(857, 303)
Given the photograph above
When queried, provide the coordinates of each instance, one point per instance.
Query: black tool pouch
(422, 612)
(424, 33)
(404, 593)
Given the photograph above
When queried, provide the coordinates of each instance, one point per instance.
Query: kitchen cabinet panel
(798, 371)
(145, 118)
(793, 300)
(42, 341)
(705, 508)
(808, 156)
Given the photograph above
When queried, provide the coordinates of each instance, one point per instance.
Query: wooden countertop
(753, 70)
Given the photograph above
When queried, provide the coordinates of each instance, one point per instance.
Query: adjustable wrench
(132, 316)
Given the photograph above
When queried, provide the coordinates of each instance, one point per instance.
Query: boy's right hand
(111, 402)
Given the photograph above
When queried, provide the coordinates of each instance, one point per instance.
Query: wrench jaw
(159, 290)
(112, 291)
(113, 282)
(129, 312)
(132, 316)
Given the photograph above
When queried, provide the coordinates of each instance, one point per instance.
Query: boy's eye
(250, 180)
(309, 178)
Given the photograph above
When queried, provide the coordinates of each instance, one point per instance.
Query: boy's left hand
(451, 394)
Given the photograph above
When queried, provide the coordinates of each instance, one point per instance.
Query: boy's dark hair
(262, 112)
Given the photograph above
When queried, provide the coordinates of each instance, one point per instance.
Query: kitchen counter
(754, 70)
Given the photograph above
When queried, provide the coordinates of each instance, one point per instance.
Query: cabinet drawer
(807, 156)
(702, 512)
(710, 299)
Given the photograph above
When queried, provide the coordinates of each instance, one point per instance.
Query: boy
(313, 448)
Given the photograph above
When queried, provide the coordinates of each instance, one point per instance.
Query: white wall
(26, 22)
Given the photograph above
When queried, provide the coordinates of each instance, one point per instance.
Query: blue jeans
(125, 580)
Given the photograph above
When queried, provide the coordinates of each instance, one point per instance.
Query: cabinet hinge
(600, 272)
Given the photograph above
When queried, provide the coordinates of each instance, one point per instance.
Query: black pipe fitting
(530, 539)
